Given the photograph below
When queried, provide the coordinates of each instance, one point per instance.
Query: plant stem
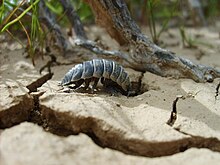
(19, 17)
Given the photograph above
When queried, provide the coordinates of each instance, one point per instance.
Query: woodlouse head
(73, 75)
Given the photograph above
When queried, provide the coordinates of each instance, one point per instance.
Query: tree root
(48, 19)
(143, 55)
(173, 115)
(217, 91)
(73, 18)
(162, 62)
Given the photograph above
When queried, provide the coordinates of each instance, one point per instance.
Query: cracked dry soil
(42, 125)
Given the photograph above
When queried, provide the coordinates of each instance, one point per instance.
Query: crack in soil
(62, 124)
(35, 114)
(201, 142)
(115, 139)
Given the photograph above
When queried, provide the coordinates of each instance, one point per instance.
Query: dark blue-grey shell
(88, 69)
(98, 68)
(73, 75)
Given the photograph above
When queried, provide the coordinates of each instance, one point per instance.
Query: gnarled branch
(144, 55)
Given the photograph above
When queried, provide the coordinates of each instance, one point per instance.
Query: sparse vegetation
(156, 12)
(23, 16)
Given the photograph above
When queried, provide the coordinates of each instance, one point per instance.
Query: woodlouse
(88, 71)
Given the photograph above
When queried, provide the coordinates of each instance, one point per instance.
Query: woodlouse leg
(106, 82)
(103, 80)
(87, 82)
(78, 83)
(96, 80)
(111, 87)
(130, 93)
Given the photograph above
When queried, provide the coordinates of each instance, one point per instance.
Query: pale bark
(144, 55)
(48, 19)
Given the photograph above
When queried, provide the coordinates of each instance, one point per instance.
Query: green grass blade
(19, 17)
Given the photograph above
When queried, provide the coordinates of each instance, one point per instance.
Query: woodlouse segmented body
(94, 70)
